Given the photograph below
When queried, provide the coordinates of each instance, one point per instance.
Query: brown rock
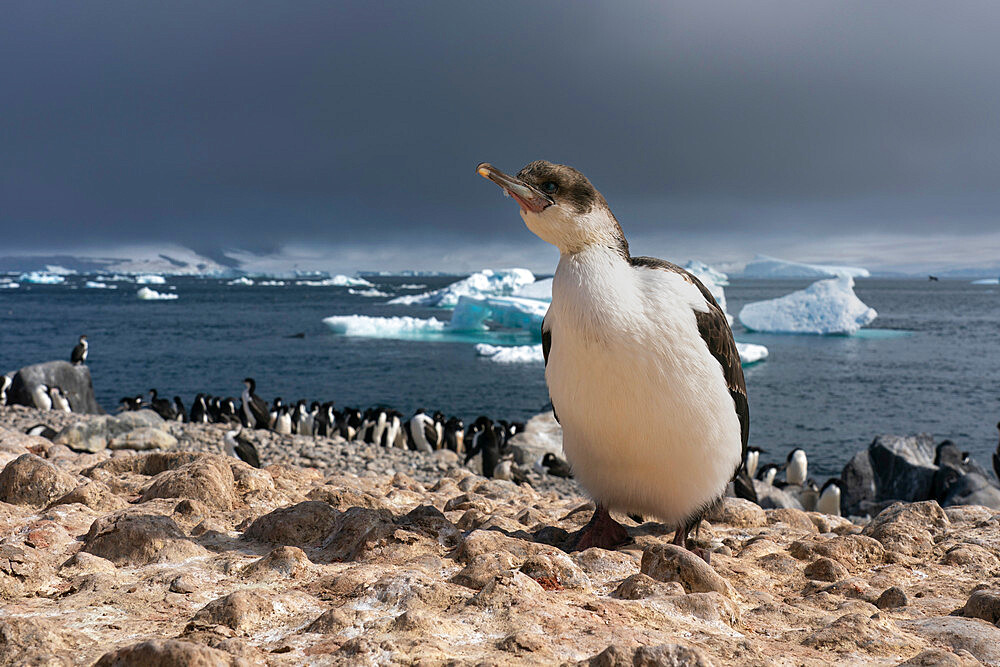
(936, 657)
(668, 562)
(209, 479)
(557, 568)
(483, 568)
(604, 565)
(855, 552)
(332, 621)
(298, 525)
(640, 586)
(32, 641)
(972, 556)
(984, 604)
(791, 517)
(507, 589)
(649, 656)
(143, 438)
(33, 481)
(738, 512)
(126, 538)
(712, 607)
(908, 528)
(974, 635)
(94, 494)
(857, 631)
(356, 530)
(183, 585)
(167, 653)
(23, 570)
(825, 569)
(892, 598)
(242, 611)
(284, 562)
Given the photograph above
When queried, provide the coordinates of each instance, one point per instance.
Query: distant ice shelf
(763, 266)
(825, 307)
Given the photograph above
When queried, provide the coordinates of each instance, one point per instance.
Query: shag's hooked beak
(526, 195)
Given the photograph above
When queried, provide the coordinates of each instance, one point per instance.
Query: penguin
(228, 414)
(273, 412)
(42, 430)
(311, 418)
(486, 443)
(5, 383)
(439, 429)
(381, 423)
(796, 467)
(829, 497)
(40, 397)
(422, 432)
(555, 466)
(300, 419)
(181, 413)
(508, 470)
(254, 408)
(454, 435)
(752, 460)
(237, 445)
(323, 423)
(648, 333)
(768, 473)
(996, 457)
(80, 351)
(349, 423)
(283, 423)
(59, 401)
(199, 410)
(161, 406)
(809, 495)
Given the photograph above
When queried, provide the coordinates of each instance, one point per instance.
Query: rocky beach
(140, 543)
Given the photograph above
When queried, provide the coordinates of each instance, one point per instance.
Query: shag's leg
(681, 540)
(602, 531)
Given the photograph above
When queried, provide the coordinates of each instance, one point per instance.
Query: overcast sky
(843, 131)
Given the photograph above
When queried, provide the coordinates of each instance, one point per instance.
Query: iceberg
(372, 292)
(383, 327)
(42, 278)
(336, 281)
(147, 294)
(763, 266)
(6, 284)
(242, 280)
(94, 284)
(503, 282)
(506, 312)
(514, 354)
(825, 307)
(987, 281)
(272, 283)
(150, 279)
(412, 286)
(540, 289)
(751, 353)
(706, 273)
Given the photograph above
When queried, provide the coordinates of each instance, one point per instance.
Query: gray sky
(843, 131)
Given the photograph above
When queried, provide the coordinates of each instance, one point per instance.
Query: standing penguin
(79, 354)
(646, 334)
(59, 400)
(5, 383)
(40, 397)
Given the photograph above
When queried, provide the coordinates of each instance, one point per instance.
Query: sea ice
(412, 286)
(763, 266)
(507, 312)
(271, 283)
(150, 279)
(242, 280)
(94, 284)
(42, 278)
(147, 294)
(513, 354)
(6, 284)
(487, 282)
(338, 280)
(751, 353)
(825, 307)
(987, 281)
(382, 327)
(540, 289)
(372, 292)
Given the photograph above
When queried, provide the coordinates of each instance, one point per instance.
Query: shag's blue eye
(549, 187)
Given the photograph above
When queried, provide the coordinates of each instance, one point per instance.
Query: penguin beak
(526, 195)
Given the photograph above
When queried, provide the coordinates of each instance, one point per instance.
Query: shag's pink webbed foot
(602, 532)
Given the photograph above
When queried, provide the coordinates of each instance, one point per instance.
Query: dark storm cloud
(255, 124)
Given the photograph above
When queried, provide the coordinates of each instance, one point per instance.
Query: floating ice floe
(242, 280)
(96, 284)
(412, 286)
(150, 279)
(383, 327)
(372, 292)
(706, 273)
(513, 354)
(763, 266)
(503, 282)
(336, 281)
(540, 289)
(987, 281)
(42, 278)
(7, 284)
(825, 307)
(272, 283)
(505, 312)
(751, 353)
(147, 294)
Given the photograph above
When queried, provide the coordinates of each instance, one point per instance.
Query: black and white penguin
(80, 351)
(752, 460)
(651, 335)
(555, 466)
(161, 406)
(272, 414)
(228, 414)
(254, 408)
(180, 414)
(237, 445)
(59, 400)
(454, 435)
(439, 422)
(829, 497)
(507, 469)
(996, 457)
(325, 419)
(485, 441)
(42, 430)
(422, 431)
(283, 422)
(768, 473)
(350, 423)
(199, 410)
(5, 383)
(796, 467)
(40, 397)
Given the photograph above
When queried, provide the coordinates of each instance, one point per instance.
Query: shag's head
(560, 206)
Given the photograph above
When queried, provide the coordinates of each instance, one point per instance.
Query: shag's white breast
(648, 422)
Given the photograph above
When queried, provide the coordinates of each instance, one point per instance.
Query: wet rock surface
(342, 553)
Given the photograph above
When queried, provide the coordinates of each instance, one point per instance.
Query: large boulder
(33, 481)
(968, 489)
(73, 380)
(94, 435)
(904, 466)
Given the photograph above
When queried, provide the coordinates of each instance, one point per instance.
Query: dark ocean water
(829, 395)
